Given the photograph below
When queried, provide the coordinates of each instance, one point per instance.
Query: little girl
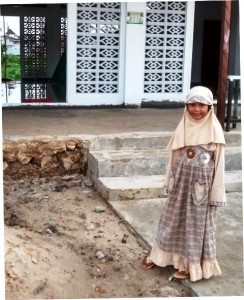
(186, 236)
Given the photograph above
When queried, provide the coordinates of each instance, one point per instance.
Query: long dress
(186, 236)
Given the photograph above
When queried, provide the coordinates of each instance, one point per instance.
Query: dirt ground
(63, 241)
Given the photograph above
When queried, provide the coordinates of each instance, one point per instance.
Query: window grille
(164, 47)
(98, 41)
(35, 47)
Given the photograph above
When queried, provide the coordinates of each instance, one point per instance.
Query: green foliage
(13, 59)
(10, 66)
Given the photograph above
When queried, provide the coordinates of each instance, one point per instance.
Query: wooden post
(223, 60)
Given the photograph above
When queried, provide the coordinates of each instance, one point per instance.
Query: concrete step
(233, 158)
(130, 188)
(112, 163)
(233, 138)
(146, 187)
(127, 163)
(131, 141)
(146, 140)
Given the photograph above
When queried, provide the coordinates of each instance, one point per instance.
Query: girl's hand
(165, 190)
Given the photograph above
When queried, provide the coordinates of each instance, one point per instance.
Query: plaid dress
(186, 236)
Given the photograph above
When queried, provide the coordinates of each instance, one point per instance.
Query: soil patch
(63, 241)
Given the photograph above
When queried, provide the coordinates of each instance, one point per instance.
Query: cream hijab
(191, 132)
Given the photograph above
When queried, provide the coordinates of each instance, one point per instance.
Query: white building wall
(134, 56)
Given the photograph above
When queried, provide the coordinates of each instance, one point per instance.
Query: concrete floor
(69, 121)
(73, 121)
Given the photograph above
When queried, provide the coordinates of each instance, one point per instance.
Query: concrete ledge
(115, 163)
(127, 163)
(147, 140)
(146, 187)
(233, 158)
(131, 141)
(131, 188)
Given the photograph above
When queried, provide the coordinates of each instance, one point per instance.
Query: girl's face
(197, 110)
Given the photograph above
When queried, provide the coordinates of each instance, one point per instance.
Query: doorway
(42, 53)
(210, 54)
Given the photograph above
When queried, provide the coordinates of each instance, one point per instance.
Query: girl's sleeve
(173, 155)
(218, 196)
(168, 170)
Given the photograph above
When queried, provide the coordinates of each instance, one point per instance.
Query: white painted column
(134, 56)
(190, 13)
(71, 53)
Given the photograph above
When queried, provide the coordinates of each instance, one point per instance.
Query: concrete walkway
(142, 215)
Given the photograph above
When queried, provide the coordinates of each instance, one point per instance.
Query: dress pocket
(200, 192)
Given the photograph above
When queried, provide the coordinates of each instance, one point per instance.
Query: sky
(12, 22)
